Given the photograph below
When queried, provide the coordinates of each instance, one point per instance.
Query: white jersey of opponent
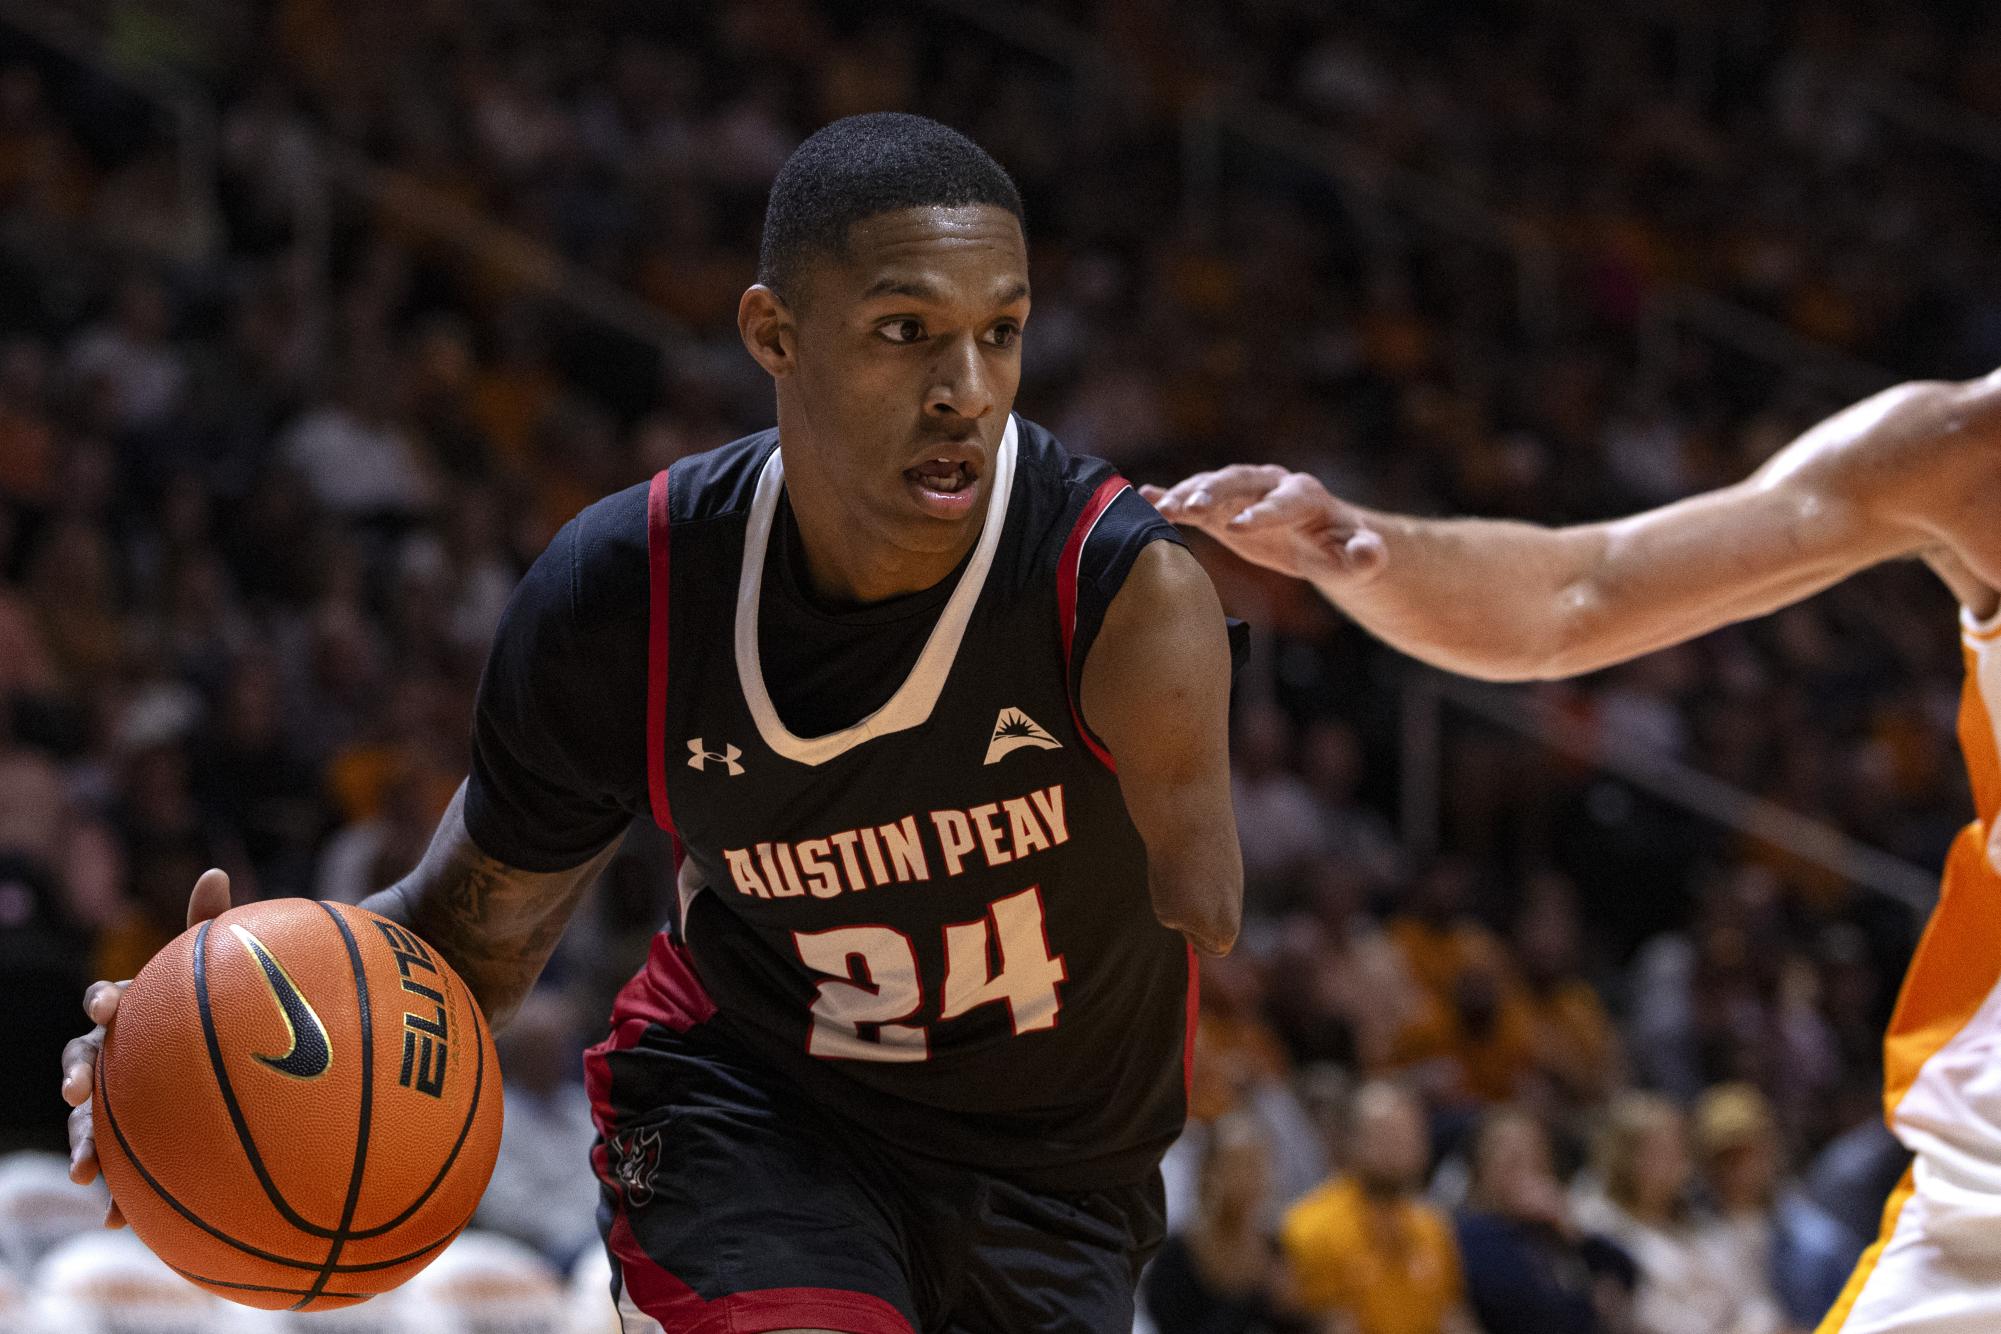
(1937, 1267)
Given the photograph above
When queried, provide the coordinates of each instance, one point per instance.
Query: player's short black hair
(860, 166)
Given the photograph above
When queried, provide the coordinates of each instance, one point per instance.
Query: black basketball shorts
(732, 1205)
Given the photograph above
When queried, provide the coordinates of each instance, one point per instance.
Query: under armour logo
(1014, 729)
(698, 756)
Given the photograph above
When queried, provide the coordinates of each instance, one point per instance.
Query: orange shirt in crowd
(1576, 1044)
(1390, 1268)
(1490, 1063)
(1438, 955)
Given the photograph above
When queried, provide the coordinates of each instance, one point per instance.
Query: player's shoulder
(596, 568)
(1047, 465)
(1948, 438)
(720, 482)
(1919, 435)
(1080, 499)
(597, 563)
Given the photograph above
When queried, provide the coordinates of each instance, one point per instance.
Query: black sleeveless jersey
(934, 919)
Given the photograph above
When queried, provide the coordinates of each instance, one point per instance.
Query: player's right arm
(495, 924)
(1910, 470)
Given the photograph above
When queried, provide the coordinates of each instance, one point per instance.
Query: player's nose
(961, 382)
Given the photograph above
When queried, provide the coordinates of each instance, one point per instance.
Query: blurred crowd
(63, 1274)
(273, 451)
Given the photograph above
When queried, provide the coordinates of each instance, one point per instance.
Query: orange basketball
(297, 1104)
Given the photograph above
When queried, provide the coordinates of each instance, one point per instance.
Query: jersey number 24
(872, 979)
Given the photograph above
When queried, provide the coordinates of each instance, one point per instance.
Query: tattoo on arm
(495, 924)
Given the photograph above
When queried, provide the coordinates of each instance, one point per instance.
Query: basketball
(298, 1104)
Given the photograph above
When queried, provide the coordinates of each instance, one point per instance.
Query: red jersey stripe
(1066, 596)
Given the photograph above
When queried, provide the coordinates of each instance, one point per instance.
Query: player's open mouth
(943, 487)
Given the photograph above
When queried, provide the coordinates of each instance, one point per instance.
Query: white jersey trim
(914, 700)
(1977, 628)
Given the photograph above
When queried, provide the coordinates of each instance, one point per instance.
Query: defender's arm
(1156, 689)
(495, 924)
(1512, 600)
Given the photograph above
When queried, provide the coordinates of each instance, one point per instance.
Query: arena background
(318, 318)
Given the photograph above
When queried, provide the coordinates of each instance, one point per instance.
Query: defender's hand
(100, 1002)
(1285, 521)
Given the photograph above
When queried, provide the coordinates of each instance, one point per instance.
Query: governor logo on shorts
(1014, 729)
(635, 1156)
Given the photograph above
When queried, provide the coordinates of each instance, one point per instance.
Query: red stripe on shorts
(681, 1309)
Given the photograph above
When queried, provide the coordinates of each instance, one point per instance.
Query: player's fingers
(1241, 485)
(112, 1218)
(1294, 500)
(79, 1057)
(100, 1001)
(82, 1147)
(1178, 501)
(210, 897)
(1213, 496)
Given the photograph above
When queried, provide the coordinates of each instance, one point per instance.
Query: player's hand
(100, 1002)
(1285, 521)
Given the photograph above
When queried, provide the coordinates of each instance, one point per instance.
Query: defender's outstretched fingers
(1295, 500)
(1179, 501)
(1213, 496)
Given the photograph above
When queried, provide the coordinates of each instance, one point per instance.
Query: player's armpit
(1156, 689)
(495, 924)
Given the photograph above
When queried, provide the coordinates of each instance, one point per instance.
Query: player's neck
(847, 566)
(844, 568)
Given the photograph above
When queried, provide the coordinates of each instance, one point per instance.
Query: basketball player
(1913, 471)
(937, 714)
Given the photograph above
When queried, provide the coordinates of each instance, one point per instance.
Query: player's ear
(768, 330)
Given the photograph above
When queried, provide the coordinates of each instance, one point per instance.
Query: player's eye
(901, 330)
(1004, 333)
